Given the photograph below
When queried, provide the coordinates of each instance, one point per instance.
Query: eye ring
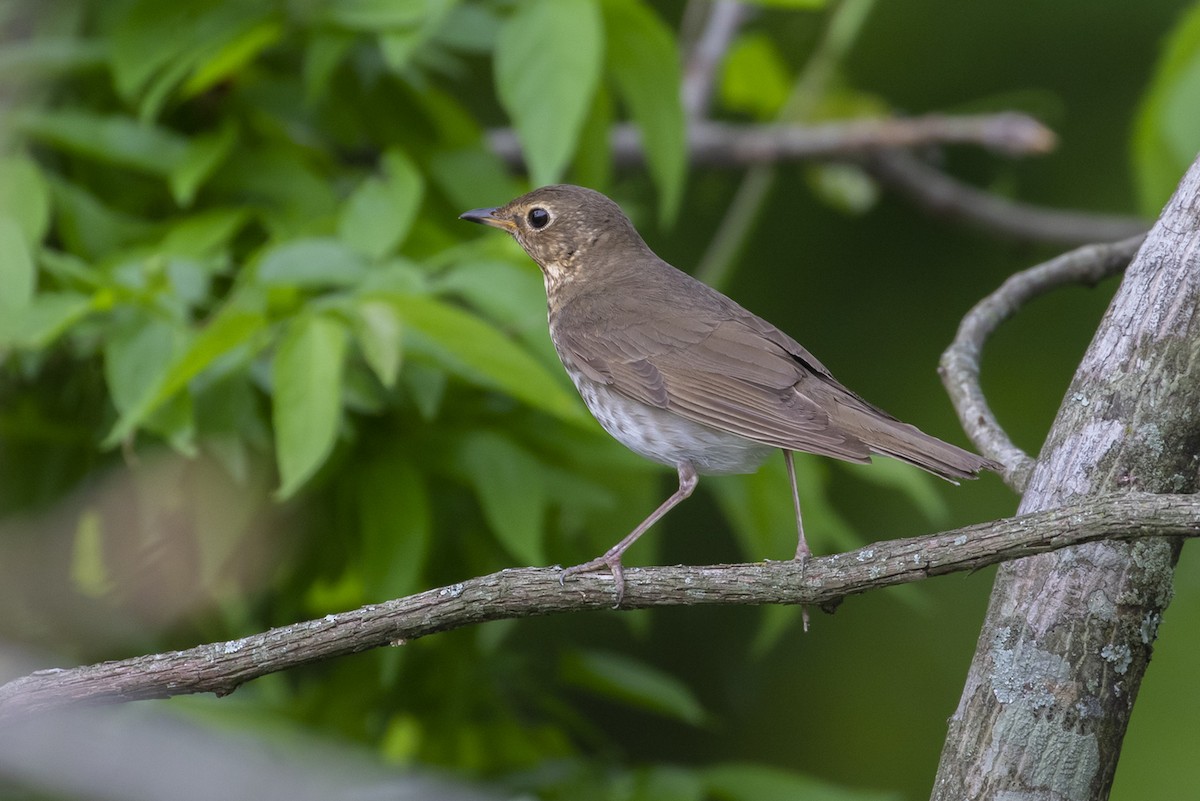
(538, 218)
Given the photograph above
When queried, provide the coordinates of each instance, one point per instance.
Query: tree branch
(959, 366)
(730, 145)
(222, 667)
(1068, 635)
(705, 55)
(946, 197)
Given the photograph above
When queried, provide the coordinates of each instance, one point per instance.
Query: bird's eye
(538, 218)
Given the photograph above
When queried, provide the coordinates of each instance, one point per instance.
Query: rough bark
(1068, 635)
(824, 581)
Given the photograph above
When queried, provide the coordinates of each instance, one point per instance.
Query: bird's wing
(736, 374)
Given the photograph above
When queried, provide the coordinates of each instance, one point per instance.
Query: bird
(681, 374)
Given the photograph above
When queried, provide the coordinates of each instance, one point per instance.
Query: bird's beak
(488, 217)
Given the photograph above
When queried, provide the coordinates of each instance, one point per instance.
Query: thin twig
(845, 23)
(946, 197)
(959, 366)
(823, 581)
(704, 57)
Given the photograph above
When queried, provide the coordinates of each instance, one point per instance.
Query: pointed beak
(488, 217)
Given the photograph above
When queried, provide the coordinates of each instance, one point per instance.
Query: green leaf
(288, 193)
(399, 44)
(593, 165)
(472, 177)
(634, 682)
(378, 215)
(325, 51)
(88, 227)
(205, 233)
(374, 15)
(307, 399)
(754, 77)
(666, 783)
(111, 139)
(49, 315)
(508, 482)
(547, 65)
(1167, 129)
(380, 334)
(396, 524)
(512, 296)
(232, 327)
(481, 353)
(232, 56)
(202, 157)
(644, 62)
(312, 263)
(18, 274)
(917, 486)
(846, 187)
(743, 782)
(137, 354)
(155, 47)
(25, 197)
(49, 57)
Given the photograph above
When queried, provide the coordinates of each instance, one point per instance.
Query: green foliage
(746, 782)
(634, 682)
(260, 371)
(548, 60)
(645, 69)
(1167, 131)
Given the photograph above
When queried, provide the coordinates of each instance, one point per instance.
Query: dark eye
(538, 218)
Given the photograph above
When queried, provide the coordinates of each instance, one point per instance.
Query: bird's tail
(887, 436)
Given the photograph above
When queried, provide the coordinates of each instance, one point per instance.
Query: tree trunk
(1068, 634)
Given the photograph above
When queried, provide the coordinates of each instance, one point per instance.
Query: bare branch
(729, 145)
(707, 52)
(824, 581)
(946, 197)
(1068, 635)
(960, 363)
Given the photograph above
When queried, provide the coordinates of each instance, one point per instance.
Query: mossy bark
(1068, 635)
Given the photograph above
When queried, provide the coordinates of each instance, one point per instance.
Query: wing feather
(733, 373)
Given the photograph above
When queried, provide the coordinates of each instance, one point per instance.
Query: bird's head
(568, 230)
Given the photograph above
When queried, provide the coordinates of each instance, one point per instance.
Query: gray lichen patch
(1061, 761)
(1118, 655)
(1149, 627)
(1100, 605)
(1025, 674)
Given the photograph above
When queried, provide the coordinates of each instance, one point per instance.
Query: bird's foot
(802, 556)
(609, 561)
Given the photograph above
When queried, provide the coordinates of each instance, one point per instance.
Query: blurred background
(253, 370)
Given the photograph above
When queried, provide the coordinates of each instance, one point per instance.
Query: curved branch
(222, 667)
(959, 366)
(730, 145)
(946, 197)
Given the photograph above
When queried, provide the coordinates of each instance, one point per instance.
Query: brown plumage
(682, 374)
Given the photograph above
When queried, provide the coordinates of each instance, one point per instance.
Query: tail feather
(887, 436)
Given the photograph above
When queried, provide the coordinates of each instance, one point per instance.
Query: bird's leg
(611, 558)
(802, 550)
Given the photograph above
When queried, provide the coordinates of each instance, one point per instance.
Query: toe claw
(613, 564)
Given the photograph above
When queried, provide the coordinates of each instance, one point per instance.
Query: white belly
(668, 438)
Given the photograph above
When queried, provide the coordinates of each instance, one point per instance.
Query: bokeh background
(264, 374)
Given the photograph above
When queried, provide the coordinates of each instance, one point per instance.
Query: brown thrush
(681, 374)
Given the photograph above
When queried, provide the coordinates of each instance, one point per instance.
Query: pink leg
(802, 550)
(611, 558)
